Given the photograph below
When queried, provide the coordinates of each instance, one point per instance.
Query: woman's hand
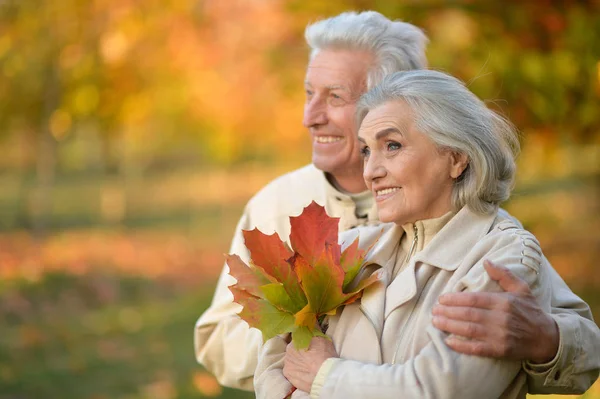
(300, 367)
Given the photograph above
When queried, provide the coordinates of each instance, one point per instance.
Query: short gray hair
(454, 118)
(396, 46)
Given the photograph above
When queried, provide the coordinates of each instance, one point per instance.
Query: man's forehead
(343, 68)
(334, 78)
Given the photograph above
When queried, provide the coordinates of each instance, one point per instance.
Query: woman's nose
(373, 169)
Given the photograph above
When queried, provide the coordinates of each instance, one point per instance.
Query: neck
(351, 183)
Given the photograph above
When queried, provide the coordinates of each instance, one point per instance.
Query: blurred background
(133, 132)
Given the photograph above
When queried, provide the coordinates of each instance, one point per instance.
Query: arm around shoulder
(437, 371)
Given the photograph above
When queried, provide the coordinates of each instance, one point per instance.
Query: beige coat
(387, 345)
(226, 347)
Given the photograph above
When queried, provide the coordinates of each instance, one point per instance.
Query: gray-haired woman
(438, 162)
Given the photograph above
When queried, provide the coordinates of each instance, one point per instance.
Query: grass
(101, 336)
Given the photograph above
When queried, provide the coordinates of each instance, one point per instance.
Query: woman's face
(409, 176)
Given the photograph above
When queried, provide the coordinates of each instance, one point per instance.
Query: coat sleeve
(437, 371)
(577, 362)
(223, 343)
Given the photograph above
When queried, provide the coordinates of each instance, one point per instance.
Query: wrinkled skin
(508, 324)
(301, 366)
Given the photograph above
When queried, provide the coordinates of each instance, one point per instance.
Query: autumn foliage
(287, 290)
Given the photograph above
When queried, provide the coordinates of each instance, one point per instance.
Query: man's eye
(365, 151)
(309, 93)
(337, 99)
(393, 146)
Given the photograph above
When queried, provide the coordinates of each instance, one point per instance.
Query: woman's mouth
(385, 193)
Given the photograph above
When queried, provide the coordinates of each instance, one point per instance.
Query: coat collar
(449, 246)
(446, 251)
(460, 235)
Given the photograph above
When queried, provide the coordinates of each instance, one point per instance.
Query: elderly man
(349, 54)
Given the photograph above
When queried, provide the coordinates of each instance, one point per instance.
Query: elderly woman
(438, 162)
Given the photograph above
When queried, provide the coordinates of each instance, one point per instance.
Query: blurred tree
(110, 86)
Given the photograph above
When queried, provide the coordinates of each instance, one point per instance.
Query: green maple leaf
(285, 291)
(260, 313)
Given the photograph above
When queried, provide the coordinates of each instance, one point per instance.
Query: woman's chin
(387, 217)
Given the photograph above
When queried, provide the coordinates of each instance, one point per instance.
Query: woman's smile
(381, 194)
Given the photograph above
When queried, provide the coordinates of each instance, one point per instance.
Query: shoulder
(288, 194)
(289, 184)
(516, 242)
(510, 246)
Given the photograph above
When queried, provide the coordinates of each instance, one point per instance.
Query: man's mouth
(327, 139)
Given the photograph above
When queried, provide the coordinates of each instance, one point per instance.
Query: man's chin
(322, 164)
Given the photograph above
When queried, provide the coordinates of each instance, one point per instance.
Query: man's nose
(315, 113)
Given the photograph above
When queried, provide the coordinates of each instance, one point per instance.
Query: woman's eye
(365, 152)
(393, 146)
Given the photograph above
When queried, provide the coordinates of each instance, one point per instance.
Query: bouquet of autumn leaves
(287, 290)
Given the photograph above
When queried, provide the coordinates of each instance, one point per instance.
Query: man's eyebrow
(337, 87)
(386, 132)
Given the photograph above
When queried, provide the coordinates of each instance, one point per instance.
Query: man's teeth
(327, 139)
(387, 191)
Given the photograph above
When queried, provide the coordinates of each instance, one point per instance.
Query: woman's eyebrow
(386, 132)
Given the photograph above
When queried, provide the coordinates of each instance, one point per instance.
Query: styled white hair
(396, 46)
(454, 118)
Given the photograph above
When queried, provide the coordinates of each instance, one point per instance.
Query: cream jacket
(226, 347)
(387, 345)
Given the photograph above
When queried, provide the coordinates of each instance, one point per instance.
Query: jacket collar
(333, 195)
(460, 235)
(448, 247)
(446, 251)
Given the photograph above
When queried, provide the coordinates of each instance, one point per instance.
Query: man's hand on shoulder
(507, 324)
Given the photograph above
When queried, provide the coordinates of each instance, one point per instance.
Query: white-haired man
(349, 54)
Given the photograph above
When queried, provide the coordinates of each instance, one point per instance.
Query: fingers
(475, 348)
(483, 300)
(464, 313)
(462, 328)
(508, 281)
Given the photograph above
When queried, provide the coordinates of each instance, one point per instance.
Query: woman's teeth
(387, 191)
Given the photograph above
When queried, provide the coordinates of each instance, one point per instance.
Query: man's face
(335, 79)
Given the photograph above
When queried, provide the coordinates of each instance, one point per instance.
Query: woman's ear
(458, 164)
